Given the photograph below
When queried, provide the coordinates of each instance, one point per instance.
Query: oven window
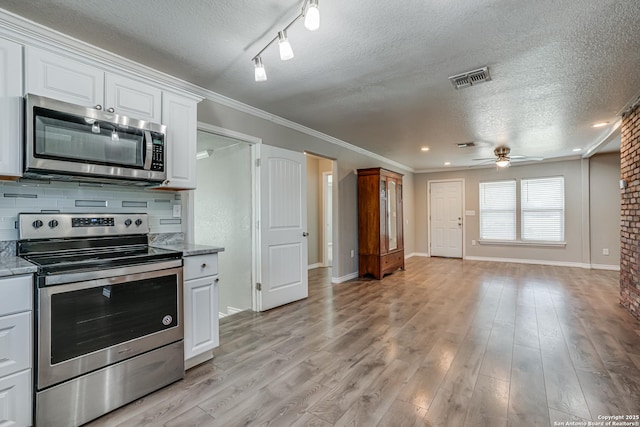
(93, 319)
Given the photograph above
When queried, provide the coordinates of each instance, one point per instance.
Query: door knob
(111, 110)
(305, 234)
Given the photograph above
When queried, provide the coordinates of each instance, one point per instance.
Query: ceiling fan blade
(484, 162)
(525, 158)
(485, 159)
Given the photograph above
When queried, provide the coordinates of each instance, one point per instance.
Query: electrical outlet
(605, 251)
(353, 253)
(177, 211)
(473, 243)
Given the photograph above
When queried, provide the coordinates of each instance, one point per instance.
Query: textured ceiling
(375, 74)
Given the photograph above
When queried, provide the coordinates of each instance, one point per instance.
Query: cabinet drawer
(15, 399)
(200, 266)
(394, 260)
(15, 343)
(15, 294)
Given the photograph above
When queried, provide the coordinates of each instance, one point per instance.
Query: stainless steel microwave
(69, 142)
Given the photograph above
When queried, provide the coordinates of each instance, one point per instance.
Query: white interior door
(283, 223)
(446, 218)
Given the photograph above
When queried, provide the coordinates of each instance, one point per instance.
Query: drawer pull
(217, 279)
(203, 266)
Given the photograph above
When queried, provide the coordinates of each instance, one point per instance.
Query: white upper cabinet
(180, 115)
(10, 109)
(132, 98)
(56, 76)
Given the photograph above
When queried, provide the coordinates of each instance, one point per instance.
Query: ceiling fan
(503, 159)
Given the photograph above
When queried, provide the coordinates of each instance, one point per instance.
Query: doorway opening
(223, 211)
(320, 210)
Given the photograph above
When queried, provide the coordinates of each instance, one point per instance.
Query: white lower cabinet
(200, 308)
(16, 350)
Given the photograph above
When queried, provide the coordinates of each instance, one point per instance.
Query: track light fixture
(261, 74)
(311, 15)
(286, 52)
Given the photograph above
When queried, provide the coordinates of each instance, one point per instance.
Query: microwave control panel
(157, 159)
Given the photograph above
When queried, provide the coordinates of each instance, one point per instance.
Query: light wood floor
(446, 342)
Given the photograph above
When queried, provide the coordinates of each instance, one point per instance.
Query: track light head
(260, 73)
(312, 16)
(286, 52)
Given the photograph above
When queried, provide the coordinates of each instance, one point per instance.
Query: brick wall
(630, 213)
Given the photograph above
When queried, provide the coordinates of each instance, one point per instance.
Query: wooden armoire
(380, 231)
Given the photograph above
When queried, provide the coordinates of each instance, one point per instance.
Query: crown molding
(24, 31)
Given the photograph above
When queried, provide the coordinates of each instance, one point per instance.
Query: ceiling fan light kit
(311, 14)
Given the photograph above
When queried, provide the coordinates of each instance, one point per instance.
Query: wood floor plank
(497, 358)
(470, 338)
(369, 409)
(403, 414)
(489, 403)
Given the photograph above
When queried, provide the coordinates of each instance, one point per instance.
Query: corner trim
(316, 265)
(344, 278)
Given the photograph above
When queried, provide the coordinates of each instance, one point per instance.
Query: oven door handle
(111, 272)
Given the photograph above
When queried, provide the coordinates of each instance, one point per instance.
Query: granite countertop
(13, 266)
(191, 249)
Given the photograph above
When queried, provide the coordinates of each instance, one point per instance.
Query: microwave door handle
(148, 155)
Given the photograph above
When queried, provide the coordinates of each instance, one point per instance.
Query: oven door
(87, 325)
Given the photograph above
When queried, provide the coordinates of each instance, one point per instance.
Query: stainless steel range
(108, 325)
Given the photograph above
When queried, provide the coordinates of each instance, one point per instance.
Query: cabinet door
(384, 230)
(15, 399)
(59, 77)
(10, 108)
(200, 315)
(15, 343)
(180, 116)
(132, 98)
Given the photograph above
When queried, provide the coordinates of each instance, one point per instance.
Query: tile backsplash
(63, 197)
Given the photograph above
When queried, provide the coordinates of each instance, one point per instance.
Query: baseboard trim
(344, 278)
(316, 265)
(422, 254)
(605, 267)
(233, 310)
(529, 261)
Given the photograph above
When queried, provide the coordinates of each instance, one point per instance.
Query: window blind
(542, 209)
(498, 210)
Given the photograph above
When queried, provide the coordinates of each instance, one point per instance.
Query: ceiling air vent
(470, 78)
(466, 144)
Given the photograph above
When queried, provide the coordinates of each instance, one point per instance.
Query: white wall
(605, 208)
(222, 212)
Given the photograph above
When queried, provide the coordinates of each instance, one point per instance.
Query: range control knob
(127, 222)
(37, 223)
(53, 223)
(138, 222)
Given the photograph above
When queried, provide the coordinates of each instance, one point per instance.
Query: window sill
(522, 243)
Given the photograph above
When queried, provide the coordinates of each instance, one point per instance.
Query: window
(498, 210)
(542, 209)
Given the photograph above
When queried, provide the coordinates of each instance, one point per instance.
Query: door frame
(324, 219)
(187, 201)
(463, 208)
